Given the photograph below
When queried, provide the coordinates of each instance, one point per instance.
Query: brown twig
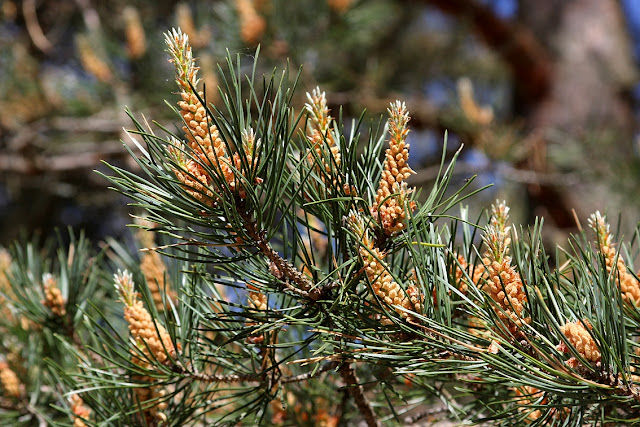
(33, 26)
(351, 382)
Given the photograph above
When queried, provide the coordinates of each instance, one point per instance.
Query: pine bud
(320, 135)
(500, 216)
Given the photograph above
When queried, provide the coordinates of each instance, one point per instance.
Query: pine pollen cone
(528, 395)
(79, 410)
(208, 152)
(385, 287)
(580, 338)
(256, 301)
(629, 286)
(459, 273)
(320, 134)
(143, 329)
(151, 339)
(53, 298)
(152, 411)
(195, 180)
(504, 285)
(155, 274)
(392, 197)
(9, 382)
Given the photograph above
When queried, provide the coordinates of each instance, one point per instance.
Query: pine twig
(309, 375)
(413, 419)
(351, 381)
(233, 378)
(214, 378)
(306, 287)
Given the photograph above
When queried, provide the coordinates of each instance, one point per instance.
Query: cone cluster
(203, 161)
(495, 275)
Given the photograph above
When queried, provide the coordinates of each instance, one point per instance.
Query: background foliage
(542, 94)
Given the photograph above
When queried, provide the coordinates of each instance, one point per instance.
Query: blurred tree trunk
(593, 69)
(593, 63)
(572, 65)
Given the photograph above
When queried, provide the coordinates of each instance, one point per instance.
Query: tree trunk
(592, 70)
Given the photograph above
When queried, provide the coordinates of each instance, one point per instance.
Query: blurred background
(543, 94)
